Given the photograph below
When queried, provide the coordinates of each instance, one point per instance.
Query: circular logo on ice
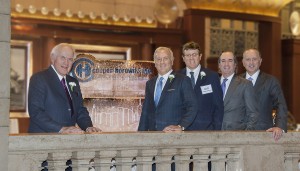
(82, 69)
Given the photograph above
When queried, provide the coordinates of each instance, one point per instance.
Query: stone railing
(231, 151)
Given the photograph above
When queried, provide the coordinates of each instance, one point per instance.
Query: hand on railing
(70, 130)
(173, 128)
(93, 129)
(277, 132)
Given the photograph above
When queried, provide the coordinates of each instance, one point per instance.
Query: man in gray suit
(240, 107)
(55, 101)
(170, 103)
(268, 95)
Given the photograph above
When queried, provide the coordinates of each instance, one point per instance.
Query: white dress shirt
(254, 76)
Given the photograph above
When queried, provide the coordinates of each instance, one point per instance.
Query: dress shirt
(166, 76)
(60, 78)
(227, 83)
(196, 72)
(254, 76)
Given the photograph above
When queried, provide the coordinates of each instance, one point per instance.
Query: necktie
(250, 79)
(158, 90)
(192, 79)
(63, 82)
(223, 85)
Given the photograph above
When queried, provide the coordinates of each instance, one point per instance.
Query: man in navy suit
(268, 95)
(207, 89)
(176, 107)
(55, 101)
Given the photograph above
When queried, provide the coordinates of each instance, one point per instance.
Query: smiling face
(251, 61)
(62, 59)
(191, 58)
(227, 64)
(163, 59)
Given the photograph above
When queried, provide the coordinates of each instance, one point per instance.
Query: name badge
(206, 89)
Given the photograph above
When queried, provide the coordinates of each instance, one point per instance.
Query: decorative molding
(259, 7)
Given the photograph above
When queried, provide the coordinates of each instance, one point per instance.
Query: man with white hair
(54, 100)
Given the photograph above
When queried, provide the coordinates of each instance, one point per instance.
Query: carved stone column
(124, 159)
(57, 161)
(81, 160)
(103, 160)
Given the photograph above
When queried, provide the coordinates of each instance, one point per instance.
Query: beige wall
(5, 81)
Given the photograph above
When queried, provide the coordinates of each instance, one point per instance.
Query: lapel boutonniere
(72, 84)
(171, 77)
(202, 74)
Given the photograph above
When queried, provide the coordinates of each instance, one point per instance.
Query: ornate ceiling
(131, 12)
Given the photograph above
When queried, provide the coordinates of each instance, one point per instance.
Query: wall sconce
(69, 13)
(127, 18)
(56, 12)
(104, 16)
(31, 9)
(19, 8)
(92, 15)
(44, 10)
(115, 17)
(80, 14)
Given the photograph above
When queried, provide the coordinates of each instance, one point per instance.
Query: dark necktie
(63, 82)
(223, 85)
(158, 90)
(192, 79)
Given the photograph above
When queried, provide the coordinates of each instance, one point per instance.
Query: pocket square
(171, 89)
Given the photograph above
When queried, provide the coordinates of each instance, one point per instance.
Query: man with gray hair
(268, 95)
(54, 100)
(170, 103)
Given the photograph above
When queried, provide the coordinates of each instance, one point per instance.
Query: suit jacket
(177, 105)
(48, 104)
(270, 97)
(210, 104)
(240, 107)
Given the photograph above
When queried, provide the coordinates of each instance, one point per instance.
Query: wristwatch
(182, 128)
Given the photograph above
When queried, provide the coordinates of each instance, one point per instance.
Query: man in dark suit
(240, 107)
(207, 89)
(268, 95)
(170, 103)
(55, 101)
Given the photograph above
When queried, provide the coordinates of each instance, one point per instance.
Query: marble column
(5, 81)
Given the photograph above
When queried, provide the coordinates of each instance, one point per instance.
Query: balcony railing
(142, 151)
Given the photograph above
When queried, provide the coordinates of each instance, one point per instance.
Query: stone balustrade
(126, 151)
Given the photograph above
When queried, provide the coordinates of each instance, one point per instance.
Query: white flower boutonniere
(202, 74)
(171, 77)
(72, 84)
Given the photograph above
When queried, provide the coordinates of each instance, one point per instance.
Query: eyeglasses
(191, 55)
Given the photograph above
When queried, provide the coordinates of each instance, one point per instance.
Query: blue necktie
(158, 90)
(192, 79)
(250, 79)
(223, 85)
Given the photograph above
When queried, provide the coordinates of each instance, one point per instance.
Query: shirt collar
(254, 76)
(166, 76)
(59, 76)
(196, 70)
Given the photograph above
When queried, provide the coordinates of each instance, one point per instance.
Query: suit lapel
(259, 81)
(55, 83)
(152, 84)
(232, 86)
(200, 80)
(69, 87)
